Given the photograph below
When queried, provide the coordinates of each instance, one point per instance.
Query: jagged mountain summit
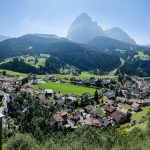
(118, 34)
(84, 29)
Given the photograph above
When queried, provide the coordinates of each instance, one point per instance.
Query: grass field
(85, 74)
(3, 147)
(82, 75)
(135, 117)
(126, 106)
(138, 115)
(31, 60)
(142, 126)
(115, 70)
(142, 56)
(14, 73)
(65, 88)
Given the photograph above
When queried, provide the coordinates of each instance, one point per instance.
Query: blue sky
(19, 17)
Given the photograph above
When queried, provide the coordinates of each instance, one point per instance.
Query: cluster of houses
(9, 88)
(89, 116)
(133, 92)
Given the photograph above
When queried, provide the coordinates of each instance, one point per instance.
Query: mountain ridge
(101, 53)
(2, 38)
(84, 29)
(118, 34)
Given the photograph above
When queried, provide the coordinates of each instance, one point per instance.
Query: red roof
(64, 114)
(92, 122)
(57, 117)
(117, 116)
(109, 108)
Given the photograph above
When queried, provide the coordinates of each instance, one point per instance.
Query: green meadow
(142, 56)
(85, 75)
(65, 88)
(34, 61)
(138, 115)
(14, 73)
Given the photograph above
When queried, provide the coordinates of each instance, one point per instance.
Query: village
(114, 102)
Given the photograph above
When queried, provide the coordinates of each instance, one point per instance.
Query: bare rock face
(118, 34)
(83, 29)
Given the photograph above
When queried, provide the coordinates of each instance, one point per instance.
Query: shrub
(22, 142)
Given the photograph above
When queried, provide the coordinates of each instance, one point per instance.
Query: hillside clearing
(142, 56)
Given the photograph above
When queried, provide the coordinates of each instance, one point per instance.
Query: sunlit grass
(14, 73)
(66, 88)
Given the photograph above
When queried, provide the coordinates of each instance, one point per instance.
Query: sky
(18, 17)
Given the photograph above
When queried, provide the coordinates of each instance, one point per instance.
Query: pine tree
(96, 97)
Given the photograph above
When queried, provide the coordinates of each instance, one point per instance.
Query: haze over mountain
(84, 29)
(2, 38)
(119, 34)
(147, 45)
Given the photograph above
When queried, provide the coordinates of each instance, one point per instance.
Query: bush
(22, 142)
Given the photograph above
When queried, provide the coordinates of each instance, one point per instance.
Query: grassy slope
(85, 74)
(126, 106)
(82, 75)
(115, 70)
(135, 117)
(30, 60)
(142, 56)
(140, 114)
(14, 73)
(66, 88)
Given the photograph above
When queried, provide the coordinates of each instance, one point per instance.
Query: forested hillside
(101, 53)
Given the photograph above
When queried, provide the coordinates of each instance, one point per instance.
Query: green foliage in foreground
(85, 138)
(66, 88)
(22, 142)
(32, 117)
(36, 132)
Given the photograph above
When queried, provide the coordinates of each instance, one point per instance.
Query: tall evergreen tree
(96, 97)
